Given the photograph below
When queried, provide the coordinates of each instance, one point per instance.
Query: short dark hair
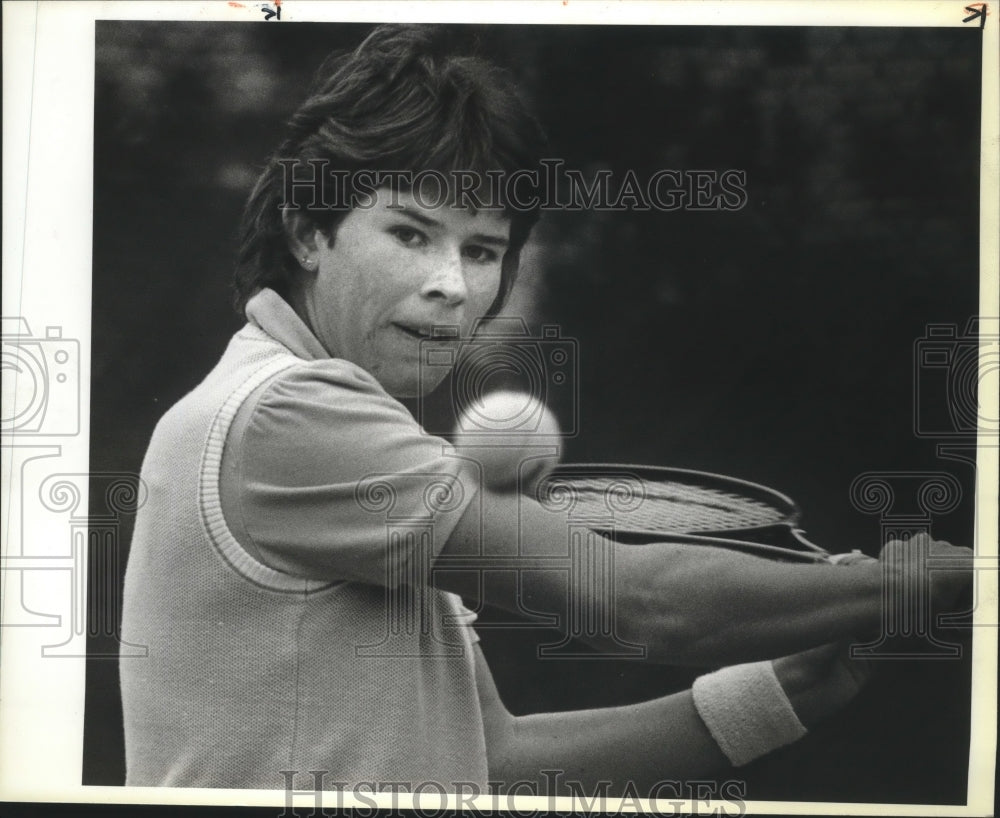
(405, 99)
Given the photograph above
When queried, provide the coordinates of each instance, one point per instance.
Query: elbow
(656, 608)
(699, 646)
(505, 754)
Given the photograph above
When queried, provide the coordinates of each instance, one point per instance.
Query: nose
(446, 281)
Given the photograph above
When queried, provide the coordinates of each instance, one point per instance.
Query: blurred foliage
(860, 148)
(774, 343)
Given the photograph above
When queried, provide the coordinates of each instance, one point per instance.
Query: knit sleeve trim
(210, 500)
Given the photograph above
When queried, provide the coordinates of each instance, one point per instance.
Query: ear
(303, 238)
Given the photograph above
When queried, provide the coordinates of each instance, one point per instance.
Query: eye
(480, 254)
(408, 236)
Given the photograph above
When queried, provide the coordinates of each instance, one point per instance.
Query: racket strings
(660, 505)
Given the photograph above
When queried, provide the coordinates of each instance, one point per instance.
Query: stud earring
(308, 263)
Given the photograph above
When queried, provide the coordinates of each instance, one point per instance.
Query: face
(393, 273)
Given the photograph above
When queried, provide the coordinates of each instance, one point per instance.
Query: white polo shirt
(278, 576)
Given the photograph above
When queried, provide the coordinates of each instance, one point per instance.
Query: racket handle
(850, 557)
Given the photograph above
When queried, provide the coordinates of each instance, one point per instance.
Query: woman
(287, 572)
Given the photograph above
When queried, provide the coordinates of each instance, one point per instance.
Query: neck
(298, 299)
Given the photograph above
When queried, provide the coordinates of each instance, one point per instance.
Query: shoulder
(329, 421)
(320, 458)
(317, 395)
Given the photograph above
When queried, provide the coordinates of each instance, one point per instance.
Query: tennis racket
(643, 504)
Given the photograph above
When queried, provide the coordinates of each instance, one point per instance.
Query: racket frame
(759, 540)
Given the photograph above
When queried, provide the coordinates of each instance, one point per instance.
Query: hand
(821, 681)
(907, 563)
(851, 558)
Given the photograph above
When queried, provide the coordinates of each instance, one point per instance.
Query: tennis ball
(513, 436)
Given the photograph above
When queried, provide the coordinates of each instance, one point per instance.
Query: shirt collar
(270, 313)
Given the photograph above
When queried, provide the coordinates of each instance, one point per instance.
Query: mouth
(414, 331)
(424, 332)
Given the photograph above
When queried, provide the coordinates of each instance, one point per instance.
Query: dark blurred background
(775, 343)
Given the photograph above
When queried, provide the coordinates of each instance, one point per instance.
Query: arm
(291, 496)
(642, 744)
(687, 604)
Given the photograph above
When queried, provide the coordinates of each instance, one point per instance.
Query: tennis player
(285, 571)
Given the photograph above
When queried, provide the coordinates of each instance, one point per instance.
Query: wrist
(862, 596)
(746, 710)
(797, 682)
(821, 681)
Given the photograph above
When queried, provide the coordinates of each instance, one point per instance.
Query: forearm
(583, 751)
(708, 606)
(685, 604)
(640, 745)
(669, 739)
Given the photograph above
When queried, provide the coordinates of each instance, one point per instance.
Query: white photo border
(48, 94)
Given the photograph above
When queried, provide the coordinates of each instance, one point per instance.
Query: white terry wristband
(746, 710)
